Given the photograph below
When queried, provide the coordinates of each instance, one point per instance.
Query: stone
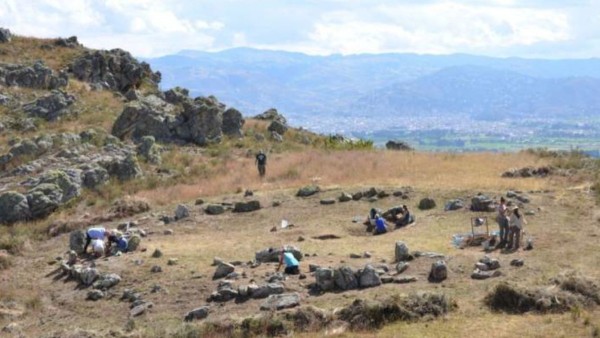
(345, 197)
(157, 253)
(87, 276)
(368, 277)
(123, 168)
(324, 278)
(272, 255)
(168, 232)
(177, 95)
(271, 115)
(355, 256)
(517, 262)
(148, 150)
(232, 123)
(401, 267)
(223, 295)
(491, 263)
(44, 199)
(405, 279)
(217, 261)
(264, 291)
(427, 203)
(197, 313)
(439, 272)
(313, 267)
(366, 254)
(140, 309)
(455, 204)
(223, 270)
(280, 302)
(172, 261)
(308, 191)
(182, 212)
(401, 252)
(94, 177)
(345, 278)
(386, 279)
(14, 207)
(51, 107)
(133, 243)
(397, 145)
(327, 201)
(5, 35)
(357, 196)
(479, 274)
(277, 277)
(106, 282)
(77, 240)
(70, 42)
(481, 266)
(156, 269)
(277, 127)
(214, 209)
(248, 206)
(482, 203)
(95, 295)
(37, 76)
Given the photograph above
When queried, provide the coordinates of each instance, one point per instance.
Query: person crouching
(291, 263)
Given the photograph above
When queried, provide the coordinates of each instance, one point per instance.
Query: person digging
(291, 263)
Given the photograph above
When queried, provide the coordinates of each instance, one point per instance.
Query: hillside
(88, 138)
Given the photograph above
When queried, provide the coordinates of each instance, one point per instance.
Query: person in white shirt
(515, 227)
(98, 247)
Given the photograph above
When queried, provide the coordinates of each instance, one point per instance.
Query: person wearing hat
(515, 227)
(261, 162)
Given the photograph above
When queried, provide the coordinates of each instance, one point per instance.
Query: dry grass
(27, 50)
(479, 171)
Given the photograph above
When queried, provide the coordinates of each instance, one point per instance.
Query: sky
(149, 28)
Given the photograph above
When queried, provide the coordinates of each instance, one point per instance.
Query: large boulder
(427, 203)
(67, 180)
(277, 127)
(13, 207)
(198, 313)
(5, 35)
(214, 209)
(454, 204)
(325, 279)
(114, 69)
(94, 177)
(223, 270)
(482, 203)
(397, 145)
(44, 199)
(280, 302)
(345, 278)
(182, 211)
(106, 282)
(37, 76)
(246, 206)
(439, 272)
(271, 115)
(272, 255)
(308, 191)
(52, 106)
(232, 123)
(148, 117)
(70, 42)
(148, 150)
(77, 241)
(264, 291)
(134, 243)
(124, 168)
(401, 252)
(177, 95)
(201, 121)
(368, 277)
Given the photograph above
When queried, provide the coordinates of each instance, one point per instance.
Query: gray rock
(87, 276)
(177, 95)
(277, 277)
(223, 295)
(276, 137)
(368, 277)
(313, 267)
(217, 261)
(397, 145)
(156, 269)
(271, 115)
(401, 267)
(426, 203)
(24, 148)
(201, 121)
(37, 76)
(481, 266)
(491, 263)
(327, 201)
(405, 279)
(280, 302)
(94, 178)
(51, 107)
(479, 274)
(147, 117)
(70, 42)
(182, 212)
(223, 270)
(482, 203)
(265, 255)
(401, 252)
(77, 240)
(345, 278)
(106, 282)
(196, 314)
(44, 199)
(517, 262)
(5, 35)
(115, 69)
(133, 243)
(439, 272)
(95, 295)
(172, 261)
(232, 123)
(157, 253)
(248, 206)
(140, 309)
(148, 150)
(308, 191)
(455, 204)
(13, 207)
(214, 209)
(264, 291)
(277, 127)
(325, 279)
(386, 279)
(345, 197)
(124, 168)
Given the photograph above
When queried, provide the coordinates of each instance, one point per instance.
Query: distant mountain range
(304, 87)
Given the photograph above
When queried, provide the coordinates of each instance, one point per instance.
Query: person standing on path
(502, 220)
(261, 162)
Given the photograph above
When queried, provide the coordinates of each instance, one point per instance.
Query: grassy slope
(565, 231)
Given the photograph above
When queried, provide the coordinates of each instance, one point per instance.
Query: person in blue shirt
(291, 263)
(380, 226)
(95, 233)
(119, 241)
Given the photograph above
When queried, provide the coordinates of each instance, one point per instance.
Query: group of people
(376, 223)
(511, 223)
(103, 241)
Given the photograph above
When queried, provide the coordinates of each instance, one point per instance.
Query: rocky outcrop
(115, 69)
(177, 95)
(5, 35)
(147, 117)
(148, 150)
(277, 127)
(51, 107)
(482, 203)
(529, 172)
(272, 115)
(232, 123)
(123, 168)
(13, 207)
(70, 42)
(398, 145)
(37, 76)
